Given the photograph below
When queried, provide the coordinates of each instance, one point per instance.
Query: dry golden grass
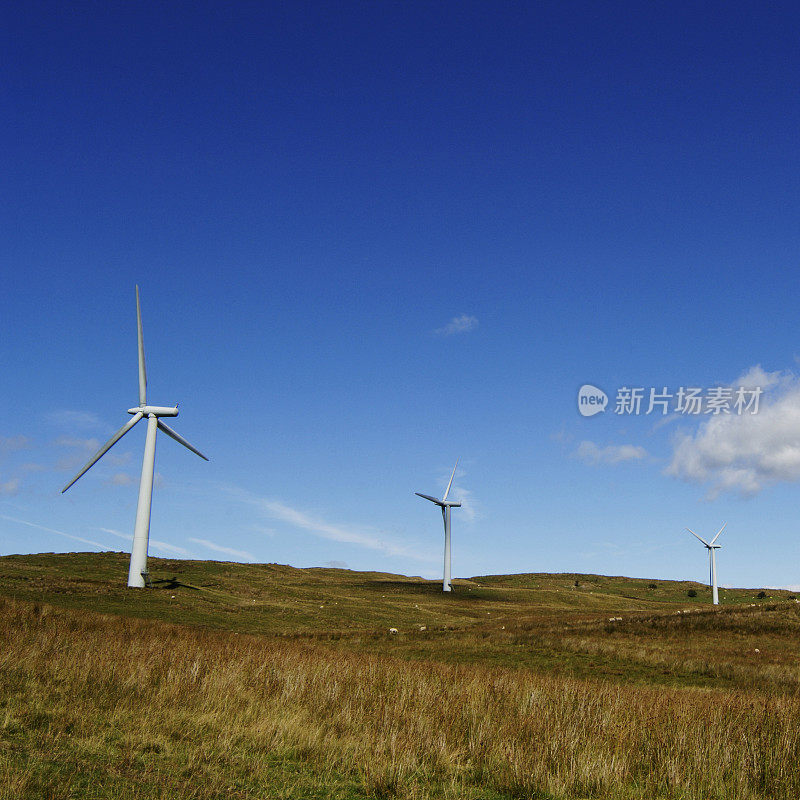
(99, 706)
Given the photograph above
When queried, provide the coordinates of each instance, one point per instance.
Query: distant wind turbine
(445, 505)
(712, 561)
(137, 573)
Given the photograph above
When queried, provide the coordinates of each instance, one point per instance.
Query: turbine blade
(142, 370)
(698, 537)
(428, 497)
(718, 533)
(447, 490)
(179, 439)
(105, 448)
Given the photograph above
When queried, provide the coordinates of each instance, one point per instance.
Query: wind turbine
(445, 505)
(141, 532)
(712, 561)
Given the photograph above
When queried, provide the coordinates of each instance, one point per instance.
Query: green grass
(535, 621)
(249, 681)
(270, 598)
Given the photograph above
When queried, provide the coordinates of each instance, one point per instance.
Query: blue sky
(373, 237)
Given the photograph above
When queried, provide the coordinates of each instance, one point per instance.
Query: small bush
(791, 597)
(761, 595)
(692, 593)
(652, 586)
(577, 584)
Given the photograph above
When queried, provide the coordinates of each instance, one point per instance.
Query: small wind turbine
(141, 533)
(445, 505)
(712, 562)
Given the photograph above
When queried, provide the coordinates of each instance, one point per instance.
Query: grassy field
(261, 681)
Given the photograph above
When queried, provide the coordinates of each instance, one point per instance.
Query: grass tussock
(96, 706)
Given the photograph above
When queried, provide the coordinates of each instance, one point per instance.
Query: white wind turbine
(445, 505)
(141, 533)
(712, 561)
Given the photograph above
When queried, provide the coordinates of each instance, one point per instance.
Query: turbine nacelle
(440, 503)
(156, 411)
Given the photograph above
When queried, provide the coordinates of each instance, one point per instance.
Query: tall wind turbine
(445, 505)
(141, 533)
(712, 562)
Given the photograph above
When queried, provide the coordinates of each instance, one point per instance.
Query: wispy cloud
(166, 546)
(228, 551)
(591, 453)
(79, 449)
(60, 533)
(32, 466)
(120, 479)
(77, 443)
(66, 418)
(10, 444)
(469, 505)
(263, 530)
(9, 487)
(169, 548)
(743, 453)
(461, 324)
(115, 459)
(360, 535)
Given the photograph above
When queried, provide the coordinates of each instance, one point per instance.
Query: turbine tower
(141, 533)
(445, 505)
(712, 561)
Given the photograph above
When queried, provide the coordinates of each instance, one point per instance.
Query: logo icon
(591, 400)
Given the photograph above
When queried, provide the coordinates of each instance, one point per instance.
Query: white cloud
(170, 548)
(229, 551)
(117, 459)
(10, 444)
(263, 530)
(128, 537)
(60, 533)
(75, 442)
(469, 506)
(350, 534)
(744, 453)
(591, 453)
(118, 534)
(74, 419)
(120, 479)
(461, 324)
(9, 487)
(79, 449)
(757, 377)
(32, 466)
(561, 436)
